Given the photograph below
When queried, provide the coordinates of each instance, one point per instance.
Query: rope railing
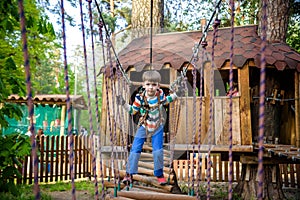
(97, 113)
(36, 189)
(230, 177)
(262, 90)
(68, 102)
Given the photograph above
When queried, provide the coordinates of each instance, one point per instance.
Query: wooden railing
(219, 169)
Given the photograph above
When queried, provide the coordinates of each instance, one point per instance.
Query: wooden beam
(297, 107)
(246, 133)
(143, 195)
(148, 181)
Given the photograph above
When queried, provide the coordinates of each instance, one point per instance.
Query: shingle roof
(176, 49)
(60, 99)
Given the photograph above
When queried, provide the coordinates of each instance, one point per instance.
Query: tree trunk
(141, 17)
(277, 20)
(248, 184)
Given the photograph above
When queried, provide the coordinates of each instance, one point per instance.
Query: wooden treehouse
(172, 53)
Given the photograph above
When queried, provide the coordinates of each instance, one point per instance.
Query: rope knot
(217, 23)
(204, 44)
(100, 24)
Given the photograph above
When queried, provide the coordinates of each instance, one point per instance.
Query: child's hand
(120, 100)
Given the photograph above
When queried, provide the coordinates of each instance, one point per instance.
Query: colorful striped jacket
(150, 108)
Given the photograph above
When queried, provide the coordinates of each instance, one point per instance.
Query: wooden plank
(47, 159)
(42, 147)
(62, 160)
(292, 176)
(203, 166)
(50, 166)
(297, 108)
(246, 135)
(75, 160)
(104, 114)
(150, 165)
(30, 169)
(218, 120)
(237, 170)
(186, 172)
(148, 180)
(220, 169)
(285, 175)
(25, 165)
(57, 160)
(226, 171)
(66, 157)
(80, 150)
(298, 174)
(214, 166)
(153, 195)
(181, 162)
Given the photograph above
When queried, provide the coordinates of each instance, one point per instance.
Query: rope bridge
(149, 189)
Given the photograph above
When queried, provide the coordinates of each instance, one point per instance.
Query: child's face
(151, 87)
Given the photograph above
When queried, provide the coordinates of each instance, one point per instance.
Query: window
(221, 81)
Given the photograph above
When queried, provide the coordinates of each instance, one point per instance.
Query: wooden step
(145, 195)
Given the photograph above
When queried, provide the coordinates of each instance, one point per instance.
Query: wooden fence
(54, 165)
(219, 169)
(53, 159)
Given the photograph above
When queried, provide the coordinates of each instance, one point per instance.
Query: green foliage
(13, 148)
(293, 38)
(24, 193)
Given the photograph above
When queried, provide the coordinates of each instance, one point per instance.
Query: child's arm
(131, 109)
(167, 99)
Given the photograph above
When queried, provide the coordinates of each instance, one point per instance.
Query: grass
(25, 192)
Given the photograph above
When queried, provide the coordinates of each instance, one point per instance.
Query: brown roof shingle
(176, 49)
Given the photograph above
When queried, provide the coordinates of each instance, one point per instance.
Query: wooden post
(246, 130)
(62, 119)
(297, 108)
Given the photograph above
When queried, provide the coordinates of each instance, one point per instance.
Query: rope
(36, 189)
(100, 26)
(151, 31)
(203, 36)
(194, 73)
(71, 141)
(230, 102)
(108, 107)
(97, 107)
(204, 44)
(113, 49)
(262, 90)
(113, 86)
(211, 100)
(120, 113)
(187, 133)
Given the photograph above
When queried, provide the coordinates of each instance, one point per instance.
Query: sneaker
(127, 179)
(161, 180)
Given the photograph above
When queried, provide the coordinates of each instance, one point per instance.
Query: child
(149, 104)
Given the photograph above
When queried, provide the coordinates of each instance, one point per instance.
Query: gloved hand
(120, 100)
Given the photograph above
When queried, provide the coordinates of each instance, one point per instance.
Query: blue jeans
(135, 152)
